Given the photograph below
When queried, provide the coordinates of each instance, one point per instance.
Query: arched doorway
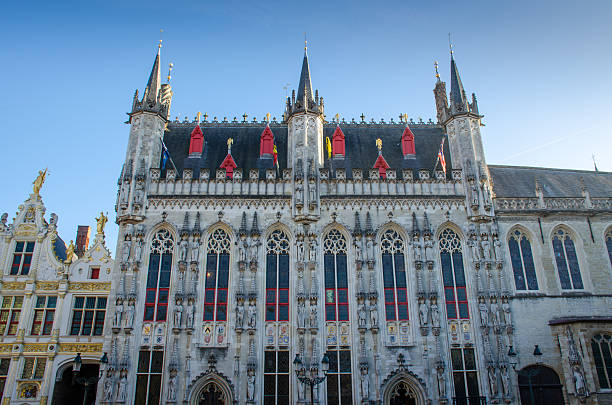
(68, 392)
(403, 388)
(212, 394)
(540, 385)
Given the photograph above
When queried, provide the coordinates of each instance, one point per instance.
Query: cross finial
(244, 117)
(305, 43)
(362, 117)
(450, 44)
(436, 67)
(205, 116)
(170, 66)
(160, 39)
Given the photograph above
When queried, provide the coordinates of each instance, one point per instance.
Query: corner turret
(157, 97)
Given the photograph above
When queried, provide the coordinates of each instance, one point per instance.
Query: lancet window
(394, 276)
(522, 261)
(453, 275)
(158, 276)
(609, 244)
(567, 261)
(217, 276)
(277, 277)
(602, 355)
(336, 279)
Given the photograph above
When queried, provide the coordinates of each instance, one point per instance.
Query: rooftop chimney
(82, 239)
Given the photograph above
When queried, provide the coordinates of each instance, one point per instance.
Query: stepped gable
(519, 181)
(360, 145)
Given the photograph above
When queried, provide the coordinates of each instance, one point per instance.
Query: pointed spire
(196, 227)
(255, 226)
(369, 230)
(426, 227)
(305, 101)
(415, 225)
(242, 231)
(305, 87)
(458, 102)
(185, 227)
(357, 230)
(154, 83)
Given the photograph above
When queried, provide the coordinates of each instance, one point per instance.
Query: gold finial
(101, 222)
(198, 117)
(436, 67)
(450, 44)
(379, 144)
(69, 252)
(305, 43)
(405, 117)
(170, 66)
(160, 40)
(337, 116)
(230, 141)
(268, 117)
(38, 182)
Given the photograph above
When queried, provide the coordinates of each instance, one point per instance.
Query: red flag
(441, 156)
(275, 153)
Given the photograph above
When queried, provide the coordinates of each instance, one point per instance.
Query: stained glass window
(336, 279)
(394, 276)
(567, 261)
(158, 277)
(522, 261)
(217, 276)
(453, 275)
(277, 277)
(602, 356)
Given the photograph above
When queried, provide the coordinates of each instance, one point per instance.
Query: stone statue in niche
(313, 250)
(494, 313)
(486, 248)
(486, 195)
(435, 315)
(300, 251)
(312, 192)
(429, 256)
(417, 249)
(190, 315)
(183, 248)
(239, 316)
(423, 313)
(506, 310)
(365, 384)
(178, 314)
(251, 385)
(373, 314)
(138, 249)
(474, 195)
(252, 315)
(505, 379)
(195, 250)
(358, 253)
(301, 314)
(579, 382)
(484, 312)
(108, 389)
(242, 250)
(370, 248)
(313, 316)
(139, 192)
(497, 247)
(254, 247)
(129, 314)
(125, 192)
(492, 381)
(125, 251)
(441, 382)
(121, 395)
(475, 247)
(361, 313)
(172, 388)
(299, 193)
(118, 314)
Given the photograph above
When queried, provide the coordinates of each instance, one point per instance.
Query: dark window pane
(458, 266)
(517, 265)
(609, 245)
(161, 313)
(19, 246)
(342, 296)
(402, 312)
(342, 276)
(150, 297)
(599, 365)
(463, 310)
(472, 384)
(447, 269)
(283, 271)
(333, 361)
(389, 295)
(346, 389)
(141, 390)
(283, 388)
(30, 247)
(208, 313)
(154, 389)
(330, 278)
(271, 296)
(390, 312)
(78, 302)
(561, 264)
(157, 361)
(153, 269)
(283, 296)
(573, 263)
(100, 305)
(270, 312)
(470, 362)
(90, 302)
(269, 362)
(269, 385)
(330, 312)
(387, 264)
(459, 383)
(532, 281)
(283, 361)
(456, 359)
(143, 361)
(271, 271)
(164, 279)
(449, 293)
(343, 313)
(149, 313)
(402, 295)
(209, 296)
(400, 273)
(221, 312)
(223, 270)
(461, 294)
(332, 390)
(283, 313)
(221, 296)
(162, 297)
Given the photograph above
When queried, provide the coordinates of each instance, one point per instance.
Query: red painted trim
(382, 166)
(229, 165)
(196, 142)
(266, 142)
(338, 142)
(408, 142)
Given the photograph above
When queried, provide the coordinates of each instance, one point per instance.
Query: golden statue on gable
(69, 253)
(101, 222)
(40, 179)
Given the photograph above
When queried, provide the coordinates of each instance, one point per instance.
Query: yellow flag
(329, 148)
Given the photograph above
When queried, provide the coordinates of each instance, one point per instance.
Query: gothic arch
(162, 225)
(204, 380)
(280, 227)
(413, 384)
(536, 254)
(454, 227)
(394, 226)
(578, 243)
(339, 227)
(220, 225)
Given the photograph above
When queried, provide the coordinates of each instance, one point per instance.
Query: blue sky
(540, 71)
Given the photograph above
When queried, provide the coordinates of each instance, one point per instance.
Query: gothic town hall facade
(254, 256)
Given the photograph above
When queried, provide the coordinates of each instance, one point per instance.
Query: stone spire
(458, 101)
(185, 227)
(157, 96)
(415, 225)
(357, 230)
(305, 87)
(196, 227)
(151, 92)
(242, 231)
(255, 227)
(369, 229)
(305, 100)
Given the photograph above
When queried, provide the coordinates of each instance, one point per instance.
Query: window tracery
(277, 277)
(336, 278)
(567, 260)
(217, 276)
(521, 257)
(602, 349)
(394, 276)
(453, 275)
(158, 276)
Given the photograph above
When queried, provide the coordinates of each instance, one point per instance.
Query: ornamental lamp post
(314, 379)
(87, 382)
(537, 354)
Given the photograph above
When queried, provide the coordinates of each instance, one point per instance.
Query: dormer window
(22, 258)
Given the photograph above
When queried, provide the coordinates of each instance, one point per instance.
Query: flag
(441, 156)
(165, 156)
(328, 146)
(275, 154)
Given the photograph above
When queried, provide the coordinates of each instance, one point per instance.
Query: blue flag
(165, 156)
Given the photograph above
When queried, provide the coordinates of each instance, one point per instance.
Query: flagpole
(168, 152)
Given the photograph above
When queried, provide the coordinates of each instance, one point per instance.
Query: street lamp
(314, 379)
(87, 382)
(537, 353)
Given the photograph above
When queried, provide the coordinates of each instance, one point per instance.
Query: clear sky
(540, 70)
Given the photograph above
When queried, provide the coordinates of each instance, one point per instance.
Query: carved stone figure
(242, 251)
(108, 389)
(138, 250)
(358, 253)
(435, 315)
(373, 315)
(38, 182)
(194, 250)
(486, 248)
(417, 249)
(423, 313)
(312, 193)
(361, 313)
(172, 388)
(299, 193)
(475, 250)
(474, 195)
(313, 250)
(183, 250)
(178, 315)
(239, 316)
(300, 251)
(252, 315)
(505, 379)
(484, 313)
(429, 256)
(300, 388)
(365, 384)
(101, 222)
(301, 314)
(494, 313)
(139, 192)
(52, 219)
(441, 382)
(313, 316)
(118, 314)
(497, 247)
(129, 314)
(506, 310)
(370, 248)
(125, 251)
(254, 249)
(579, 381)
(492, 381)
(573, 352)
(122, 393)
(190, 315)
(251, 386)
(125, 192)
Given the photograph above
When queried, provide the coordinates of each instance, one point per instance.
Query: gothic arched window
(567, 261)
(394, 276)
(336, 278)
(609, 244)
(602, 349)
(277, 277)
(522, 261)
(158, 276)
(451, 259)
(217, 276)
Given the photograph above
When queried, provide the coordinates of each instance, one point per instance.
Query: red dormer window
(229, 165)
(408, 142)
(266, 143)
(338, 142)
(197, 141)
(382, 166)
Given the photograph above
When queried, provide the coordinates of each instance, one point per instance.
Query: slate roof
(519, 181)
(59, 248)
(360, 146)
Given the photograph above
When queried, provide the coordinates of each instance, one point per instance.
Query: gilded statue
(101, 222)
(69, 253)
(40, 179)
